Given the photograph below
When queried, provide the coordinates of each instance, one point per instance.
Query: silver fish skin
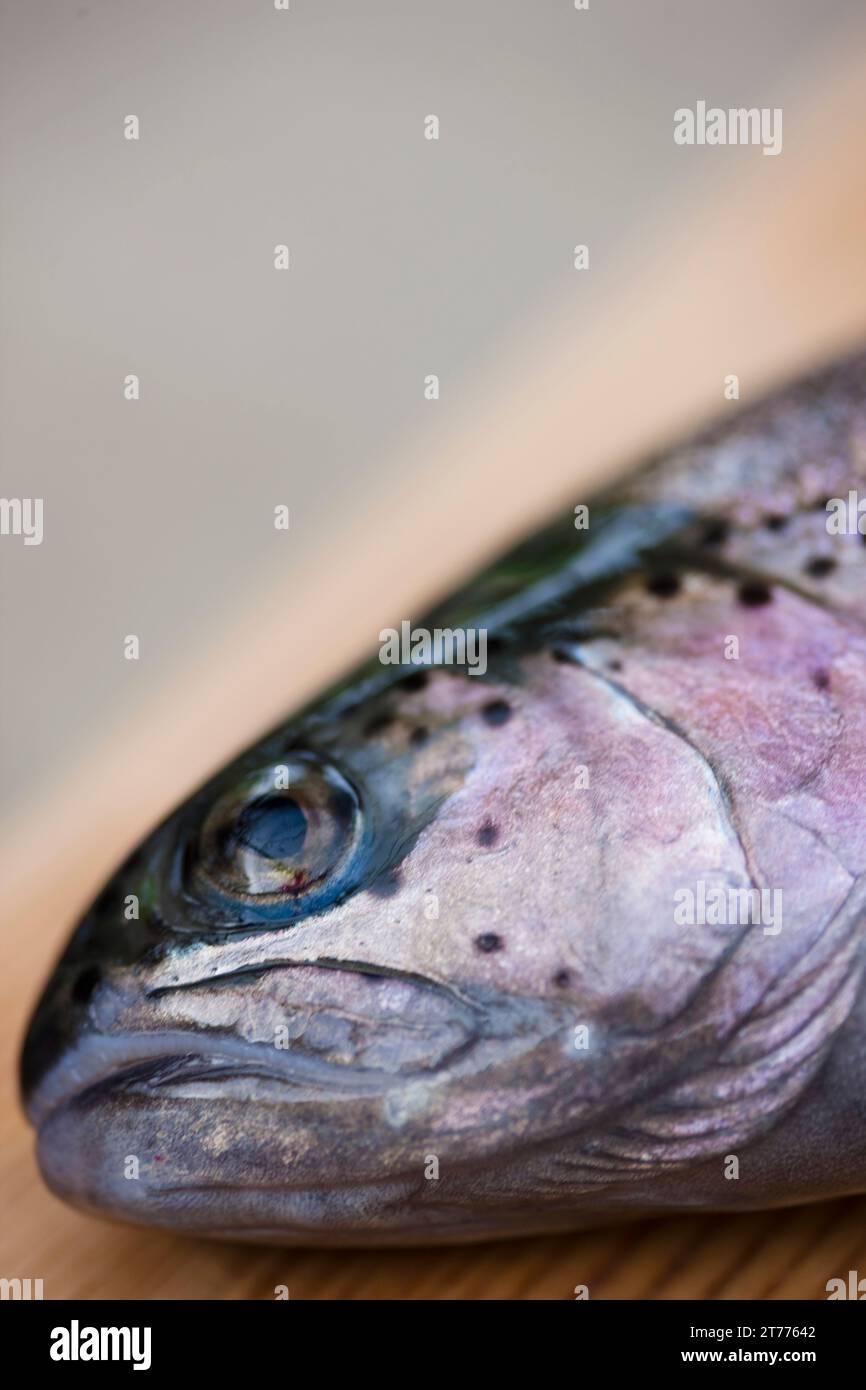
(439, 987)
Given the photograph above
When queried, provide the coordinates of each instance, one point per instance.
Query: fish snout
(285, 1096)
(71, 1010)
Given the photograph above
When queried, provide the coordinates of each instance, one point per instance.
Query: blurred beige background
(305, 387)
(408, 257)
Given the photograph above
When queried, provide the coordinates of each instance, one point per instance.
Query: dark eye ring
(278, 835)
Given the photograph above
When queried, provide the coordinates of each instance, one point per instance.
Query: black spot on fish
(775, 521)
(562, 979)
(489, 941)
(664, 584)
(819, 565)
(614, 664)
(488, 833)
(419, 736)
(715, 531)
(85, 985)
(387, 885)
(377, 725)
(496, 712)
(821, 679)
(754, 593)
(416, 680)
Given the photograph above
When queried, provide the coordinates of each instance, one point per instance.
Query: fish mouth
(419, 1027)
(205, 1130)
(180, 1066)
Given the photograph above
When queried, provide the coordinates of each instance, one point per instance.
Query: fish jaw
(327, 1138)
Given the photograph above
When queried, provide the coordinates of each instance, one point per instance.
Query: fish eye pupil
(273, 826)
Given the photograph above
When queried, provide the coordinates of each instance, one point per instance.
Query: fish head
(343, 990)
(416, 966)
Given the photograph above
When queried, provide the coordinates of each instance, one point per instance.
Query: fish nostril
(85, 985)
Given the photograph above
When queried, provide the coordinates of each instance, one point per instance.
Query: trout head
(453, 955)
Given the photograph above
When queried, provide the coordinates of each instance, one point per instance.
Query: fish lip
(157, 1059)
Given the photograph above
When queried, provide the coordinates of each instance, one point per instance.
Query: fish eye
(278, 835)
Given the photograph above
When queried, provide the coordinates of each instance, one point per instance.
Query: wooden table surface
(798, 291)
